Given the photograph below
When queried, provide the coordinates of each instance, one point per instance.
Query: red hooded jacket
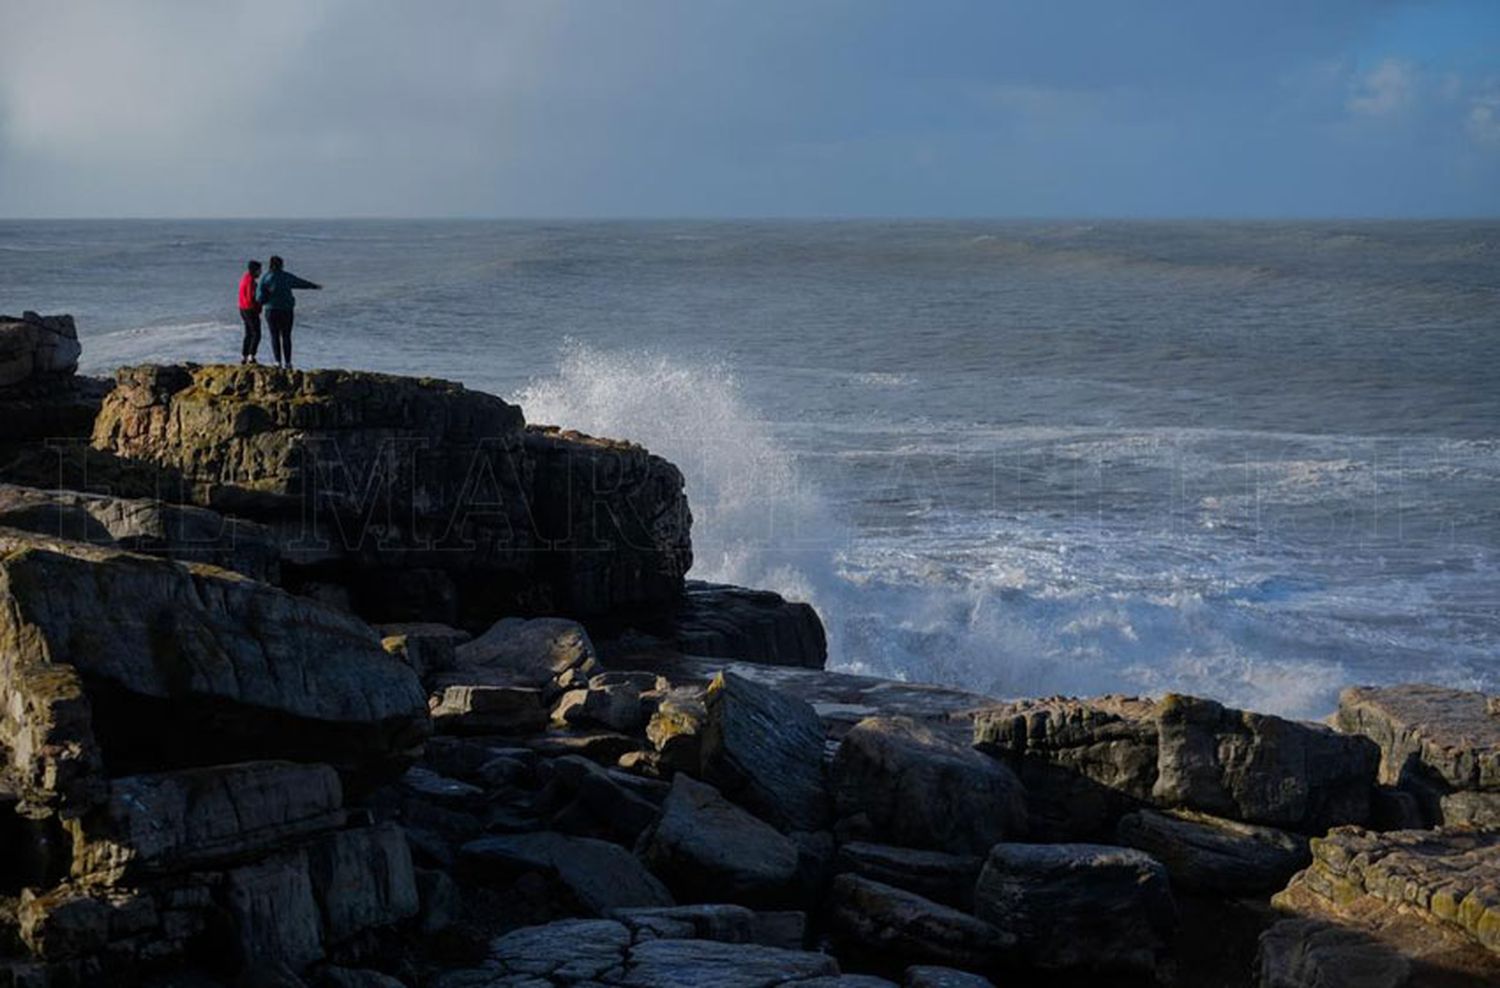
(247, 293)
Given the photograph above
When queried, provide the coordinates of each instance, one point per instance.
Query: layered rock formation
(1441, 746)
(1406, 908)
(420, 498)
(207, 778)
(1088, 761)
(40, 396)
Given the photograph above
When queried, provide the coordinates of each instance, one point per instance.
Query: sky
(762, 108)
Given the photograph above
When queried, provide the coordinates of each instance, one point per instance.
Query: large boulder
(614, 519)
(590, 875)
(1441, 745)
(1208, 854)
(715, 619)
(707, 849)
(144, 525)
(146, 663)
(892, 922)
(531, 653)
(42, 399)
(1086, 763)
(1261, 769)
(1085, 906)
(190, 819)
(764, 749)
(36, 348)
(945, 878)
(425, 500)
(1083, 762)
(622, 954)
(896, 781)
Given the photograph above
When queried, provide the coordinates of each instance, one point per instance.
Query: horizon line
(828, 218)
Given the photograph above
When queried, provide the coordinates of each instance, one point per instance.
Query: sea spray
(1012, 602)
(756, 520)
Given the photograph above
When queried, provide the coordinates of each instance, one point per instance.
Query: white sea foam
(1022, 604)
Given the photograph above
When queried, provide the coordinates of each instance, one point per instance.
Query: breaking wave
(1025, 603)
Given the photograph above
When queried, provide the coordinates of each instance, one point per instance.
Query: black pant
(252, 332)
(280, 323)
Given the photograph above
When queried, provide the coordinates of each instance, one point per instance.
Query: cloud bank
(773, 108)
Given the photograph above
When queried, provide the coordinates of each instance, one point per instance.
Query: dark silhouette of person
(250, 312)
(275, 294)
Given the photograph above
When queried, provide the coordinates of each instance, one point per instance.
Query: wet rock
(615, 518)
(707, 849)
(1261, 769)
(481, 710)
(144, 525)
(1085, 906)
(945, 878)
(1212, 855)
(891, 922)
(718, 620)
(179, 821)
(597, 875)
(1084, 763)
(898, 781)
(1440, 745)
(534, 652)
(149, 663)
(764, 749)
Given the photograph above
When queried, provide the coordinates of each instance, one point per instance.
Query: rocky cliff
(359, 681)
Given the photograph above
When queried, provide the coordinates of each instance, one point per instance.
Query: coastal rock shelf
(355, 681)
(418, 498)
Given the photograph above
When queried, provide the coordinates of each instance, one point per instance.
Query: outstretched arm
(302, 282)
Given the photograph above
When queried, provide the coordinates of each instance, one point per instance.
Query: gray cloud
(673, 107)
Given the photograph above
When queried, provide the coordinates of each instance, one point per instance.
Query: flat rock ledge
(1419, 904)
(1441, 746)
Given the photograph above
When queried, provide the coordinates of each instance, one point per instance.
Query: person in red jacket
(250, 312)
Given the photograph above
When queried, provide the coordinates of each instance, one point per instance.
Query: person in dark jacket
(250, 312)
(275, 294)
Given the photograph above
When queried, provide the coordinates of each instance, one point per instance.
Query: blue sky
(1262, 108)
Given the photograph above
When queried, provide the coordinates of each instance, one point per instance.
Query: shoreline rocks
(207, 778)
(1440, 746)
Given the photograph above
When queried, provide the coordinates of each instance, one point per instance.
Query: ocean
(1255, 461)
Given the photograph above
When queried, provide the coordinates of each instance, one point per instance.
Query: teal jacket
(275, 291)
